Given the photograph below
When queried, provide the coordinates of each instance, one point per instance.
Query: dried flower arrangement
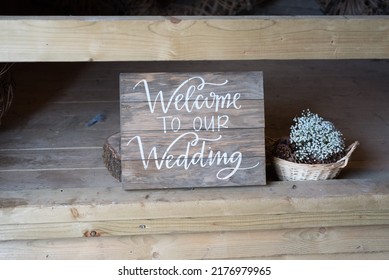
(312, 140)
(314, 150)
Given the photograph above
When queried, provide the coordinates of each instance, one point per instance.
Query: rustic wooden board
(192, 38)
(349, 199)
(192, 129)
(305, 243)
(50, 159)
(137, 112)
(185, 225)
(195, 177)
(246, 141)
(247, 84)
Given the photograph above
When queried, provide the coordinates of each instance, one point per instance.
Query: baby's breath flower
(314, 138)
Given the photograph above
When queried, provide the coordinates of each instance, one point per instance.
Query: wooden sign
(188, 130)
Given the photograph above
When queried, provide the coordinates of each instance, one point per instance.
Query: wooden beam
(192, 38)
(296, 243)
(228, 223)
(77, 212)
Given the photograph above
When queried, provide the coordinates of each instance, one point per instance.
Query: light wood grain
(188, 38)
(302, 243)
(112, 203)
(185, 225)
(334, 256)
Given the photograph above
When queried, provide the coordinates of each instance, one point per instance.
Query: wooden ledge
(74, 212)
(192, 38)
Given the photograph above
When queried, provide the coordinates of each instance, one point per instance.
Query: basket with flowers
(314, 150)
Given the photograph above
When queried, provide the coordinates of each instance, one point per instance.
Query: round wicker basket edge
(291, 171)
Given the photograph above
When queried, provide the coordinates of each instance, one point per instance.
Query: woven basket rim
(338, 164)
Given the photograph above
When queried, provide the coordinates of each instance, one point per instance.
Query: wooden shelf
(192, 38)
(319, 219)
(58, 201)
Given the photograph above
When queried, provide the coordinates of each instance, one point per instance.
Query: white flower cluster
(314, 138)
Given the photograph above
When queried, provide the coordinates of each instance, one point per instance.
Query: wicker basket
(291, 171)
(6, 88)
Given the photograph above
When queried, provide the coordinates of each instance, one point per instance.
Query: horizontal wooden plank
(189, 225)
(98, 177)
(383, 255)
(227, 158)
(48, 124)
(137, 117)
(231, 171)
(51, 159)
(56, 179)
(192, 38)
(316, 241)
(192, 86)
(63, 115)
(249, 142)
(111, 203)
(60, 138)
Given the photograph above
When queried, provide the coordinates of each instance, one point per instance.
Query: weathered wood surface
(192, 129)
(192, 38)
(195, 176)
(185, 225)
(246, 84)
(309, 243)
(70, 199)
(139, 115)
(307, 218)
(112, 157)
(247, 141)
(280, 205)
